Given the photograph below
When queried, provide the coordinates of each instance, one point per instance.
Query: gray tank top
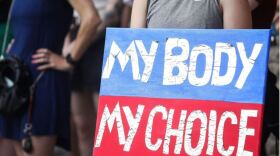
(198, 14)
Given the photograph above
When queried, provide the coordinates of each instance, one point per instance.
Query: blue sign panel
(223, 65)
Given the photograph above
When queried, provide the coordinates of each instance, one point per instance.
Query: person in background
(39, 28)
(86, 76)
(126, 13)
(263, 12)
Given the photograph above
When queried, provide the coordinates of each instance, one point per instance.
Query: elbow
(91, 19)
(94, 20)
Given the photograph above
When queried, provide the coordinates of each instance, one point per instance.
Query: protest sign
(181, 92)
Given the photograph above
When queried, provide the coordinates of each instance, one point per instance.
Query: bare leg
(7, 148)
(84, 118)
(95, 98)
(18, 148)
(74, 140)
(42, 146)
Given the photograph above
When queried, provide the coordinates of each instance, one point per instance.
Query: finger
(44, 67)
(39, 55)
(40, 60)
(43, 50)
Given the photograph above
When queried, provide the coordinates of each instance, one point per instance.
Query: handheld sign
(181, 92)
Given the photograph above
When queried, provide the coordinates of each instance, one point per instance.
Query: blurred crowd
(62, 37)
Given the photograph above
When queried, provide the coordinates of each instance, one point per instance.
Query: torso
(39, 24)
(198, 14)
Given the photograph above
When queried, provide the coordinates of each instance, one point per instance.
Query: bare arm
(253, 4)
(236, 14)
(46, 59)
(89, 22)
(110, 19)
(112, 4)
(126, 15)
(139, 13)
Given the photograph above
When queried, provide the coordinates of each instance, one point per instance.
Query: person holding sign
(192, 14)
(203, 14)
(208, 14)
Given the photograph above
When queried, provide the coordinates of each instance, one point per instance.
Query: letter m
(116, 52)
(110, 119)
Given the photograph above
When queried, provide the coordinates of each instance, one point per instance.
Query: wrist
(69, 59)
